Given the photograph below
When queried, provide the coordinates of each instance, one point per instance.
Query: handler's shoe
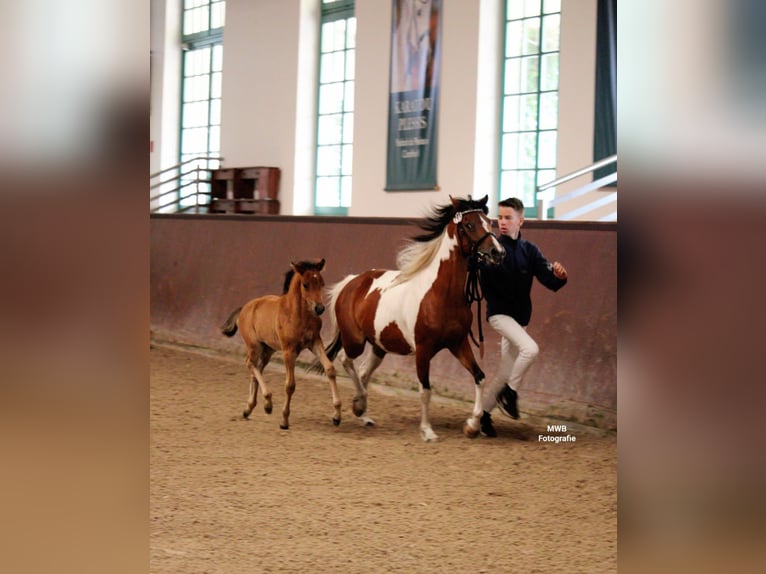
(506, 400)
(486, 426)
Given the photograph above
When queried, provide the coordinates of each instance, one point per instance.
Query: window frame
(332, 12)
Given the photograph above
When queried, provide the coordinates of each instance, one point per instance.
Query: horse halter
(458, 220)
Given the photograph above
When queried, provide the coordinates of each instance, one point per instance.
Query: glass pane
(545, 175)
(347, 159)
(328, 160)
(547, 155)
(513, 39)
(218, 14)
(195, 114)
(327, 39)
(527, 151)
(339, 35)
(194, 140)
(350, 64)
(217, 58)
(529, 73)
(215, 139)
(330, 98)
(531, 8)
(196, 88)
(511, 114)
(549, 111)
(512, 76)
(510, 151)
(351, 33)
(327, 191)
(332, 67)
(215, 91)
(515, 9)
(531, 36)
(329, 131)
(528, 112)
(203, 61)
(345, 191)
(550, 6)
(550, 72)
(348, 128)
(215, 112)
(526, 189)
(551, 33)
(348, 97)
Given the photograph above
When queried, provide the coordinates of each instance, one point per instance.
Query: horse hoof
(366, 421)
(267, 409)
(245, 414)
(429, 435)
(284, 427)
(335, 421)
(359, 406)
(470, 432)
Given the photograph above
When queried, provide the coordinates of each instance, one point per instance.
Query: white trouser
(517, 352)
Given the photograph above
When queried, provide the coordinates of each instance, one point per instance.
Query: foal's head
(311, 283)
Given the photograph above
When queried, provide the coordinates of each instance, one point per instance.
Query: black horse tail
(230, 326)
(334, 348)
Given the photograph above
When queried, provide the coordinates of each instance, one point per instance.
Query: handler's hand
(559, 271)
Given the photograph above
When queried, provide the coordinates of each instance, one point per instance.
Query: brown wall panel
(203, 267)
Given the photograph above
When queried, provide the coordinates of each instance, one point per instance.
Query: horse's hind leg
(423, 365)
(257, 359)
(371, 362)
(329, 370)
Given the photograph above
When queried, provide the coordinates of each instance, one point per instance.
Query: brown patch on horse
(446, 328)
(393, 341)
(359, 311)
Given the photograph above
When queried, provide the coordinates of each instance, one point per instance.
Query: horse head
(475, 230)
(311, 284)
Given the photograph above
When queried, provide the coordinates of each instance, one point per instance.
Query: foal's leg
(289, 356)
(329, 369)
(464, 354)
(423, 365)
(257, 359)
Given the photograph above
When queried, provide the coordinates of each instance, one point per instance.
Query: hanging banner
(414, 94)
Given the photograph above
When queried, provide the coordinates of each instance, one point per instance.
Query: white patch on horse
(400, 302)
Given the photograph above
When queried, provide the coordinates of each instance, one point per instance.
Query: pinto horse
(289, 322)
(420, 308)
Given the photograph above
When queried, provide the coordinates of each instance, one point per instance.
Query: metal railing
(187, 188)
(546, 201)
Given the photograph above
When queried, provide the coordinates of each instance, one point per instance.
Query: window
(335, 111)
(203, 22)
(530, 99)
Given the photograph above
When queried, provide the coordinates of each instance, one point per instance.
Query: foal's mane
(303, 266)
(421, 249)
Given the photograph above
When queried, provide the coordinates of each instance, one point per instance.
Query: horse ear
(454, 201)
(321, 264)
(483, 200)
(294, 267)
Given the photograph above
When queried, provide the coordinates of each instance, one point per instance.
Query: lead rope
(473, 294)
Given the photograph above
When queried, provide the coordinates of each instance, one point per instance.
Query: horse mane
(421, 249)
(302, 266)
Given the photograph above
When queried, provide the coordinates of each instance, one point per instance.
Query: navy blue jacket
(507, 286)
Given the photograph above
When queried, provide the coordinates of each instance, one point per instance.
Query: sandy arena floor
(229, 495)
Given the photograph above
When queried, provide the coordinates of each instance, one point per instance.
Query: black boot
(486, 426)
(506, 400)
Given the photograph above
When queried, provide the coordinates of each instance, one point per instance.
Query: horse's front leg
(423, 365)
(289, 356)
(464, 354)
(329, 369)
